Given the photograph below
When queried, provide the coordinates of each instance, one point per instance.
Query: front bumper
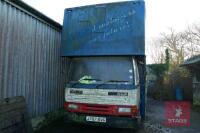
(111, 121)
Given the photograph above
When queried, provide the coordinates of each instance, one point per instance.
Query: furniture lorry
(105, 45)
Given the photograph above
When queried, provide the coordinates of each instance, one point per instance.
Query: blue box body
(107, 29)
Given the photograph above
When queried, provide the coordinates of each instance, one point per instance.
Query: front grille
(98, 109)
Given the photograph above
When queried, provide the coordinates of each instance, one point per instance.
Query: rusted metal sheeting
(30, 62)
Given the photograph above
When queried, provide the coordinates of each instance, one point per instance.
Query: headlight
(73, 106)
(124, 110)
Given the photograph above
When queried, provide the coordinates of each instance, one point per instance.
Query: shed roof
(192, 61)
(33, 12)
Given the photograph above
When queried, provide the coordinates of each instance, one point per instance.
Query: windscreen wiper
(111, 81)
(90, 79)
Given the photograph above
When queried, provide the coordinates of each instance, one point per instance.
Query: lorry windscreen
(102, 69)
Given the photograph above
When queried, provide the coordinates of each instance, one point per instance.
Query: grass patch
(50, 118)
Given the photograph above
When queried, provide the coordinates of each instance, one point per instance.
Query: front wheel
(140, 123)
(139, 127)
(66, 120)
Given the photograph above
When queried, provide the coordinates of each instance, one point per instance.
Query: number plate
(96, 119)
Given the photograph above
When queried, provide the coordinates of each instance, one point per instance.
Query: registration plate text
(96, 119)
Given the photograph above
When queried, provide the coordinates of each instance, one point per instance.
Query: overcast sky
(160, 14)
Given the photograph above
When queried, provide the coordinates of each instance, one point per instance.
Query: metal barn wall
(30, 62)
(196, 91)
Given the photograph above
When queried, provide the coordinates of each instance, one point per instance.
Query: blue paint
(142, 73)
(106, 29)
(179, 94)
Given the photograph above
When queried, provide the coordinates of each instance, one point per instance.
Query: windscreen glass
(102, 69)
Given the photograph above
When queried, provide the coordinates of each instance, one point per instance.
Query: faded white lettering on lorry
(111, 31)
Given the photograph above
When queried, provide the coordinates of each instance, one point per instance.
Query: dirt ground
(155, 118)
(60, 127)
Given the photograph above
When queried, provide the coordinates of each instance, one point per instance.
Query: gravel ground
(155, 118)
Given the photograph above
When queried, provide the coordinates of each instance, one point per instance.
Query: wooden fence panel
(13, 116)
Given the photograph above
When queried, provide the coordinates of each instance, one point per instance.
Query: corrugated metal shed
(192, 61)
(193, 64)
(30, 62)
